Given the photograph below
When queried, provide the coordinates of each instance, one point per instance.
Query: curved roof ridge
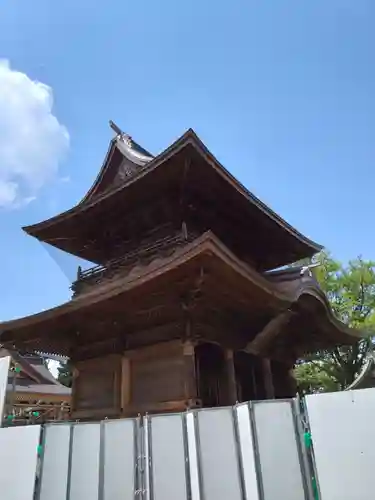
(129, 149)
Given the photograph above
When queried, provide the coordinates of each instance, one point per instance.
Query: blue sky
(282, 92)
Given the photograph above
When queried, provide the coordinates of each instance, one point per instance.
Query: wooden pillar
(268, 378)
(231, 378)
(292, 383)
(125, 383)
(283, 380)
(74, 395)
(190, 382)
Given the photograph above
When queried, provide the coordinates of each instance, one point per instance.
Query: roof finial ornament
(120, 134)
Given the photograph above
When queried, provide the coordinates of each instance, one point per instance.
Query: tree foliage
(350, 290)
(312, 378)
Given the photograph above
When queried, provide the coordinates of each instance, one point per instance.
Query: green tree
(350, 290)
(312, 378)
(65, 374)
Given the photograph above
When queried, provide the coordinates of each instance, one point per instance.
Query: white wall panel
(247, 452)
(343, 434)
(54, 477)
(147, 457)
(218, 454)
(18, 462)
(168, 458)
(84, 479)
(119, 460)
(193, 457)
(278, 452)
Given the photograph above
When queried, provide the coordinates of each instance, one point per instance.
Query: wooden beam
(272, 329)
(160, 407)
(154, 351)
(231, 378)
(125, 383)
(190, 383)
(268, 378)
(217, 335)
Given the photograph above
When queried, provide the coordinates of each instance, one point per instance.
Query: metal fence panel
(248, 459)
(343, 434)
(84, 475)
(218, 453)
(247, 452)
(278, 453)
(4, 370)
(55, 465)
(18, 462)
(193, 456)
(119, 459)
(168, 457)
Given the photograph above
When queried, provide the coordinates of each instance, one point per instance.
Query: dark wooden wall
(150, 379)
(96, 387)
(174, 376)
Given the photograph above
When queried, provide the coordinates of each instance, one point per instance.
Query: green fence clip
(307, 439)
(315, 489)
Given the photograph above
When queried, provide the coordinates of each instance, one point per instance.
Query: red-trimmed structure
(183, 307)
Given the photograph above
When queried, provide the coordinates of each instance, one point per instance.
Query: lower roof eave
(207, 244)
(21, 332)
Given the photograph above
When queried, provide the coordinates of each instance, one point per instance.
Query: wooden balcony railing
(143, 254)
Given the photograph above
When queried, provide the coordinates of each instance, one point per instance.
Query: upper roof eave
(251, 197)
(34, 229)
(189, 137)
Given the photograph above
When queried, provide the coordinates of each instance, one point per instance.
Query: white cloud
(32, 141)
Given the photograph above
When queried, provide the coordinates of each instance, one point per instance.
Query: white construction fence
(252, 451)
